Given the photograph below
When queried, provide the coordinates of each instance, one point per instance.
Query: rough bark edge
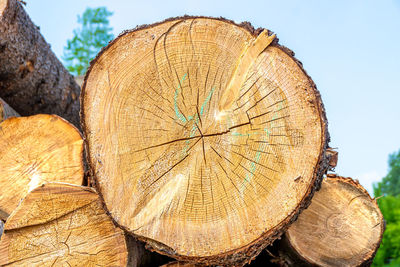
(139, 256)
(245, 254)
(288, 256)
(71, 111)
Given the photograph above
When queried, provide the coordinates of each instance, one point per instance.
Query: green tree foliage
(390, 184)
(93, 34)
(389, 203)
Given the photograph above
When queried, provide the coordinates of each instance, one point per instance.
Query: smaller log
(6, 111)
(343, 226)
(34, 150)
(62, 225)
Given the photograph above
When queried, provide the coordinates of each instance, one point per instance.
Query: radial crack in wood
(343, 226)
(62, 225)
(195, 183)
(34, 150)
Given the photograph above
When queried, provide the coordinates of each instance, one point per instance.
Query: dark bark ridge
(32, 79)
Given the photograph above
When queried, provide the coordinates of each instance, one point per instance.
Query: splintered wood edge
(53, 189)
(16, 218)
(238, 256)
(245, 61)
(368, 258)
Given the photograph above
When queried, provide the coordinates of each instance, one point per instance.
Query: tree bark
(6, 111)
(34, 150)
(32, 79)
(209, 134)
(343, 226)
(62, 225)
(139, 256)
(333, 156)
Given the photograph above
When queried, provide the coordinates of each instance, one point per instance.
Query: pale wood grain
(34, 150)
(195, 182)
(67, 227)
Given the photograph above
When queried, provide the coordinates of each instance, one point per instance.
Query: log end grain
(70, 228)
(342, 227)
(196, 182)
(35, 150)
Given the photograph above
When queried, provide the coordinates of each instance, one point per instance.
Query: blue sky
(350, 49)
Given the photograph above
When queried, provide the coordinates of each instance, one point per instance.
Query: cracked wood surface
(62, 225)
(32, 79)
(35, 150)
(6, 111)
(343, 226)
(195, 182)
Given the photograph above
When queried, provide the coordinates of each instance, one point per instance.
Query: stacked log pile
(204, 139)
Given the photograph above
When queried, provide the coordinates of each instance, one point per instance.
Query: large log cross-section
(206, 138)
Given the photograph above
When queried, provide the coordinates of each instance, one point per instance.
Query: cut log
(207, 138)
(6, 111)
(34, 150)
(62, 225)
(343, 226)
(32, 79)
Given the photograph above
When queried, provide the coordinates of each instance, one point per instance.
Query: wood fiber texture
(62, 225)
(200, 174)
(34, 150)
(343, 226)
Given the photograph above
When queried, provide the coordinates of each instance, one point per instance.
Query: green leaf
(93, 34)
(389, 189)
